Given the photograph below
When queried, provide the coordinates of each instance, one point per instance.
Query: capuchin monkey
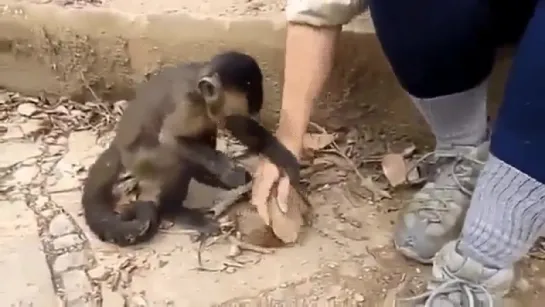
(166, 136)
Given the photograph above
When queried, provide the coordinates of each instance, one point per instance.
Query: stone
(359, 298)
(69, 261)
(27, 109)
(67, 241)
(4, 97)
(99, 273)
(31, 126)
(138, 301)
(76, 284)
(41, 201)
(61, 225)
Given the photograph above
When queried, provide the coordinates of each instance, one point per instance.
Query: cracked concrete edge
(67, 251)
(53, 49)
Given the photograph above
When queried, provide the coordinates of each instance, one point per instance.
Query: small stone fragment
(138, 301)
(31, 126)
(99, 273)
(4, 97)
(359, 298)
(61, 225)
(41, 201)
(27, 109)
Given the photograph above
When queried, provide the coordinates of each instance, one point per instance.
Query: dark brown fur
(166, 136)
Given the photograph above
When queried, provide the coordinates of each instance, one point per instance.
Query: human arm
(312, 32)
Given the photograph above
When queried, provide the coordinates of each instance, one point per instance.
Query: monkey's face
(223, 101)
(240, 73)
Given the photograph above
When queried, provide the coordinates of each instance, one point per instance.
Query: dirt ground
(345, 258)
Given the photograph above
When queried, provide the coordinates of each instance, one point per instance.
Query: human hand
(270, 185)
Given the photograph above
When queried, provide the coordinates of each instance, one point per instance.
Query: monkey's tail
(138, 224)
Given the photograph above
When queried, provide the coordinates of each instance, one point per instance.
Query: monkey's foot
(197, 220)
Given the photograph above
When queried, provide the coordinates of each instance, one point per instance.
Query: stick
(366, 182)
(229, 198)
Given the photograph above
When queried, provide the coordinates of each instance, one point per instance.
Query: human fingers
(283, 193)
(266, 176)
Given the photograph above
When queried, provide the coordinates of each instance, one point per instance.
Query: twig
(229, 198)
(366, 182)
(250, 247)
(88, 87)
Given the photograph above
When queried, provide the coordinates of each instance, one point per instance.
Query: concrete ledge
(56, 50)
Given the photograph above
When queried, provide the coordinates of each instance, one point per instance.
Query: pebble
(27, 109)
(41, 201)
(67, 241)
(138, 301)
(4, 97)
(76, 284)
(359, 298)
(99, 273)
(61, 225)
(69, 261)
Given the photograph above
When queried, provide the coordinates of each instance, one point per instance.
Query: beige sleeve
(324, 12)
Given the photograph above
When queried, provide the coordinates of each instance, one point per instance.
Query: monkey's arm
(208, 158)
(211, 163)
(259, 140)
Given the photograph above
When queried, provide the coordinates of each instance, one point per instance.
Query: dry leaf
(329, 177)
(332, 159)
(394, 168)
(317, 141)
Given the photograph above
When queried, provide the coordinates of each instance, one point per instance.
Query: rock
(99, 273)
(41, 201)
(61, 225)
(76, 284)
(138, 301)
(67, 241)
(359, 298)
(31, 126)
(69, 261)
(4, 97)
(27, 109)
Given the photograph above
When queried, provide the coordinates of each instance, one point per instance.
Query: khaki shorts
(324, 12)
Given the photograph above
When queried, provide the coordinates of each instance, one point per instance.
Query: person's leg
(507, 211)
(442, 53)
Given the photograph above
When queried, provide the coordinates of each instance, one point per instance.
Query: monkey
(166, 136)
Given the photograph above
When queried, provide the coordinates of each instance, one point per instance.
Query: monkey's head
(232, 83)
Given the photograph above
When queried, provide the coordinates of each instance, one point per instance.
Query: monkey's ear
(210, 88)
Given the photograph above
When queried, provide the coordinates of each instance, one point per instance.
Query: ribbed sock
(506, 216)
(456, 119)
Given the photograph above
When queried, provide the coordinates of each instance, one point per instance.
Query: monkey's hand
(235, 176)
